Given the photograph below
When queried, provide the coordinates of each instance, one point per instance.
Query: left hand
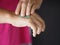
(36, 23)
(39, 23)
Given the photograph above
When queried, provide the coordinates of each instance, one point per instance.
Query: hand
(27, 7)
(39, 22)
(36, 23)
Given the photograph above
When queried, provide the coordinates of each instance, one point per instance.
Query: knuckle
(24, 1)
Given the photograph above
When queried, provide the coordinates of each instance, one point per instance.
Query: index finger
(18, 8)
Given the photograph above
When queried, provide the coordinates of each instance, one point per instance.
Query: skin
(27, 7)
(35, 22)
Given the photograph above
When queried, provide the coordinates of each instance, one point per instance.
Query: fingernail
(22, 15)
(27, 14)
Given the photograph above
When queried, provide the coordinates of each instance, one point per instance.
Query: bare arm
(35, 22)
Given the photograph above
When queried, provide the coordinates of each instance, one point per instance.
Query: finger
(33, 9)
(37, 5)
(44, 26)
(39, 30)
(34, 29)
(28, 10)
(18, 8)
(23, 8)
(39, 25)
(40, 20)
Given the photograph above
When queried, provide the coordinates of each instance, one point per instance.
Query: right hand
(27, 7)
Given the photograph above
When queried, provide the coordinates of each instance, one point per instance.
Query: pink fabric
(8, 4)
(11, 35)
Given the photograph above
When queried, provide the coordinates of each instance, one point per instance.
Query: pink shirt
(9, 34)
(8, 4)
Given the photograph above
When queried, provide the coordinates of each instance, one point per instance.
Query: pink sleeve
(12, 35)
(8, 4)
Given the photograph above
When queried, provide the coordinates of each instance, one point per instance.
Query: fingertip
(27, 14)
(34, 35)
(39, 30)
(16, 13)
(38, 33)
(22, 15)
(43, 30)
(32, 12)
